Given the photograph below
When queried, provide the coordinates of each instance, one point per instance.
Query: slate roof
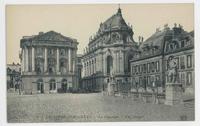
(160, 39)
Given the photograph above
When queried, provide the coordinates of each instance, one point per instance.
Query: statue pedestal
(173, 94)
(111, 88)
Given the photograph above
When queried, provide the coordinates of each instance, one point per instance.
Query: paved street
(90, 107)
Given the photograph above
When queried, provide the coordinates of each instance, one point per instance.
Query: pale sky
(82, 21)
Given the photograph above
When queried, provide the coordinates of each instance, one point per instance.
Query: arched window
(129, 62)
(109, 64)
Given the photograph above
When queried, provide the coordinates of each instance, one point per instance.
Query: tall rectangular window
(182, 62)
(148, 67)
(189, 78)
(144, 68)
(152, 67)
(140, 81)
(157, 66)
(189, 61)
(148, 81)
(135, 69)
(140, 68)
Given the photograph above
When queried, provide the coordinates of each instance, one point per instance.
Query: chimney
(40, 33)
(157, 29)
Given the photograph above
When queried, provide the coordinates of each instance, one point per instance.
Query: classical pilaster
(57, 60)
(115, 62)
(69, 59)
(26, 59)
(104, 65)
(33, 59)
(95, 65)
(121, 62)
(23, 60)
(45, 59)
(89, 67)
(83, 70)
(74, 61)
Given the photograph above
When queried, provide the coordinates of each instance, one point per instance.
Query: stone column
(33, 59)
(26, 59)
(95, 65)
(115, 62)
(57, 60)
(74, 60)
(89, 65)
(104, 65)
(45, 59)
(84, 67)
(69, 59)
(23, 60)
(98, 63)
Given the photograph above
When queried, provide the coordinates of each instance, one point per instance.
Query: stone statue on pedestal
(111, 83)
(173, 93)
(172, 70)
(112, 78)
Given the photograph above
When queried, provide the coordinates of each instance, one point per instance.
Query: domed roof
(115, 21)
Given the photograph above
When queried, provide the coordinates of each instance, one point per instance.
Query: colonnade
(30, 52)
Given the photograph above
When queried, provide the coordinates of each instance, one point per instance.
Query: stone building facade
(149, 65)
(48, 63)
(79, 71)
(108, 53)
(13, 71)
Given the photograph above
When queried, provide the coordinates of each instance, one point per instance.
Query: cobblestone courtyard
(90, 107)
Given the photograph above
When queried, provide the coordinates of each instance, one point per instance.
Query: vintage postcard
(100, 62)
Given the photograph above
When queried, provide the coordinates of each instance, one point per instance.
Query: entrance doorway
(40, 86)
(64, 85)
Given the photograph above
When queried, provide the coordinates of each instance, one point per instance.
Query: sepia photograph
(110, 62)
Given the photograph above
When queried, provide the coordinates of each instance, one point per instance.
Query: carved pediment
(51, 36)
